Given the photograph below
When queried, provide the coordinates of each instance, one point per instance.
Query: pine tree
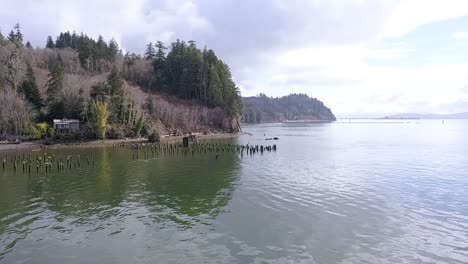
(117, 93)
(55, 83)
(101, 48)
(113, 50)
(115, 82)
(160, 53)
(215, 94)
(50, 43)
(30, 90)
(100, 92)
(54, 92)
(16, 36)
(150, 52)
(159, 66)
(28, 45)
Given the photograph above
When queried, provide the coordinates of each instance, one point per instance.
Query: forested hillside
(292, 107)
(179, 88)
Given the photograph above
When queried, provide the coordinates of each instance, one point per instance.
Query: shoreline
(40, 144)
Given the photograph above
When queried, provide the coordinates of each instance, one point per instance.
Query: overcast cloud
(358, 56)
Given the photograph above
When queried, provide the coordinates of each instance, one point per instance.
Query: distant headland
(291, 108)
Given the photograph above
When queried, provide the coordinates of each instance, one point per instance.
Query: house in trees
(66, 125)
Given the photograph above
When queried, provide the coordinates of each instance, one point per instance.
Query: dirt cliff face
(232, 124)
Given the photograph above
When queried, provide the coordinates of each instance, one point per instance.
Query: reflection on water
(344, 192)
(70, 214)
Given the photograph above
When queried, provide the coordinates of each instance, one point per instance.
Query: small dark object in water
(275, 138)
(190, 140)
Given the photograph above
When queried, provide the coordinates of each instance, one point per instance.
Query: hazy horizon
(359, 57)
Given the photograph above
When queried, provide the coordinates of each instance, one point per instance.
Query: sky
(365, 58)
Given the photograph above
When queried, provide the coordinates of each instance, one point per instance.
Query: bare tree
(15, 114)
(12, 65)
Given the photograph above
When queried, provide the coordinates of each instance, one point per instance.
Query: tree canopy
(93, 55)
(262, 108)
(77, 77)
(190, 73)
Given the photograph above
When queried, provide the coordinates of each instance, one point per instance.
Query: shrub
(51, 132)
(66, 136)
(40, 131)
(154, 137)
(35, 133)
(115, 132)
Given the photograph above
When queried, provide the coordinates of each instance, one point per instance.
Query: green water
(344, 192)
(108, 210)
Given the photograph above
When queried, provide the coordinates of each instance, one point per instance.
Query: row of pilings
(145, 150)
(48, 163)
(44, 162)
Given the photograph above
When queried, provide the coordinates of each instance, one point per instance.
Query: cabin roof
(66, 121)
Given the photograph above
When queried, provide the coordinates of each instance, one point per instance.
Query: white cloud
(407, 15)
(460, 35)
(322, 47)
(343, 77)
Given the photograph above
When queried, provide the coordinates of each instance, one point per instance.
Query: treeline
(77, 77)
(292, 107)
(181, 69)
(93, 55)
(185, 71)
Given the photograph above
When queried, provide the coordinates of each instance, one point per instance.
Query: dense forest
(175, 89)
(292, 107)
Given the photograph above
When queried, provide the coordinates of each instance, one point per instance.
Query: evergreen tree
(113, 50)
(55, 83)
(117, 93)
(159, 66)
(93, 55)
(50, 43)
(74, 107)
(160, 53)
(16, 36)
(150, 52)
(100, 92)
(215, 96)
(116, 82)
(30, 90)
(28, 45)
(54, 92)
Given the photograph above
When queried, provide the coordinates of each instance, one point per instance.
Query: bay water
(352, 191)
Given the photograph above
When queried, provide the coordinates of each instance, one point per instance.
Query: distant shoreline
(40, 144)
(290, 121)
(385, 118)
